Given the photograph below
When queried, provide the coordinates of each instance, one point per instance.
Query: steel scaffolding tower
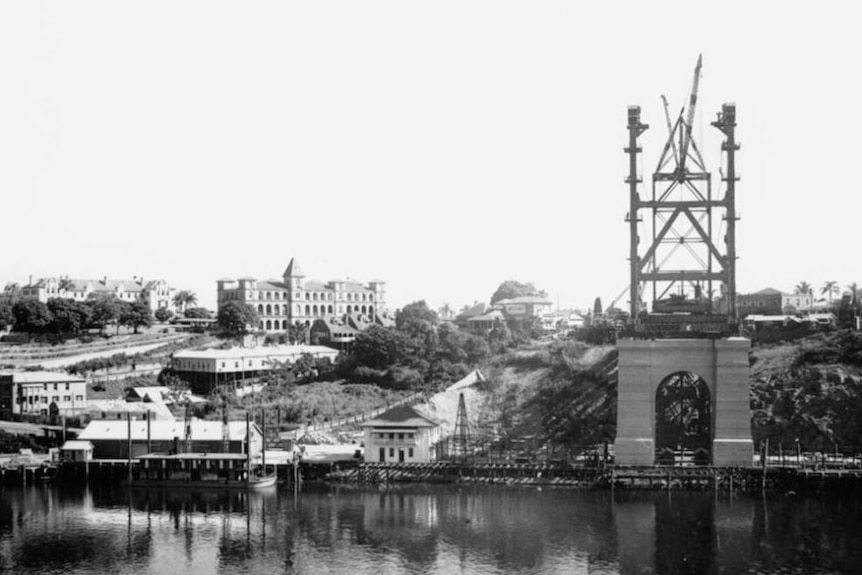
(462, 433)
(683, 262)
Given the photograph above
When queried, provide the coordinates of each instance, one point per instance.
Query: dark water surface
(424, 529)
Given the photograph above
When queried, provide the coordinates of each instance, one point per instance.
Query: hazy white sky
(440, 146)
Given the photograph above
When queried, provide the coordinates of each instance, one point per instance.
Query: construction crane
(689, 120)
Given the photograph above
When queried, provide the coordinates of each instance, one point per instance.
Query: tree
(65, 284)
(69, 316)
(105, 309)
(236, 317)
(197, 313)
(802, 288)
(163, 314)
(418, 324)
(499, 338)
(829, 287)
(185, 298)
(6, 317)
(31, 316)
(414, 313)
(378, 347)
(136, 315)
(511, 288)
(445, 311)
(854, 292)
(298, 333)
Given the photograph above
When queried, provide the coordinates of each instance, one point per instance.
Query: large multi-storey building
(771, 301)
(280, 304)
(42, 393)
(155, 293)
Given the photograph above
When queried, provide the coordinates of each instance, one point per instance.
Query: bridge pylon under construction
(683, 395)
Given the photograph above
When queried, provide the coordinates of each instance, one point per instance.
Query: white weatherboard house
(400, 435)
(206, 368)
(42, 393)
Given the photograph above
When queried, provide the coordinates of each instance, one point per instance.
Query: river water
(424, 529)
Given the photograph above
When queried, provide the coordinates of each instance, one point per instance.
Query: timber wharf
(608, 477)
(749, 479)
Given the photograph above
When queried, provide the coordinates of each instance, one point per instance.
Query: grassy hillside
(809, 389)
(562, 391)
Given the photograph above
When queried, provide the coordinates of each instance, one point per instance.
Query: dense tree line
(418, 352)
(62, 318)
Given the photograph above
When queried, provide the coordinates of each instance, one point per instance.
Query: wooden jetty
(607, 477)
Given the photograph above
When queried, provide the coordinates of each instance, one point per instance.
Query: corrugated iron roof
(43, 377)
(162, 430)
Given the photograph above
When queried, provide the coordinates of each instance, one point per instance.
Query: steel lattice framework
(686, 263)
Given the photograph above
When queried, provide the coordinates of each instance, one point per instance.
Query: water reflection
(422, 529)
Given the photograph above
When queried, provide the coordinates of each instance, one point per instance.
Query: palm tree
(184, 299)
(854, 290)
(445, 311)
(802, 288)
(65, 284)
(829, 287)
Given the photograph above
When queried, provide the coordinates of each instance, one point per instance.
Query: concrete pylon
(721, 363)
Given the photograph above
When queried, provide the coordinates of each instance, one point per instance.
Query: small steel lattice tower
(460, 438)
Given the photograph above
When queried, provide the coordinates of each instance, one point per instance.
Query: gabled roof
(401, 416)
(492, 315)
(475, 309)
(336, 323)
(158, 410)
(293, 270)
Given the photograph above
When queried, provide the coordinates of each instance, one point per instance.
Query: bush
(404, 378)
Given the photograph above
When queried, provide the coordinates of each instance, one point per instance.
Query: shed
(76, 450)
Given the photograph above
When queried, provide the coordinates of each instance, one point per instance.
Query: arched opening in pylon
(683, 420)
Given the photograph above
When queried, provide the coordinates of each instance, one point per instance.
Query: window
(54, 398)
(400, 436)
(44, 399)
(391, 452)
(67, 398)
(67, 386)
(391, 436)
(79, 398)
(410, 452)
(55, 387)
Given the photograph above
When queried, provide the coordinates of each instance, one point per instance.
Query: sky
(442, 147)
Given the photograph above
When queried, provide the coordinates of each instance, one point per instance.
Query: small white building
(42, 393)
(75, 450)
(208, 367)
(401, 435)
